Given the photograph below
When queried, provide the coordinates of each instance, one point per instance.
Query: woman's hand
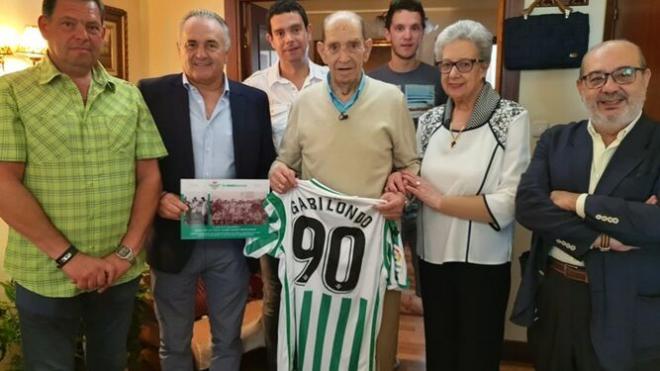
(423, 190)
(395, 182)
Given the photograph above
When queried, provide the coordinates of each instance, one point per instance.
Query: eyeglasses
(462, 65)
(622, 76)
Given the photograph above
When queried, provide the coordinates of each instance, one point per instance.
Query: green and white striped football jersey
(337, 256)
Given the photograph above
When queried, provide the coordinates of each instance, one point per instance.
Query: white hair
(467, 30)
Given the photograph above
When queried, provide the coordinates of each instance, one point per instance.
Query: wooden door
(638, 21)
(256, 52)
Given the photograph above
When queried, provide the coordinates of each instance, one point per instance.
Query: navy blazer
(254, 152)
(624, 286)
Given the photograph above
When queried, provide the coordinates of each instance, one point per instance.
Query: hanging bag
(549, 41)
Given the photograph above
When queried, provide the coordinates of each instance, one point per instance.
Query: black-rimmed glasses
(462, 65)
(622, 76)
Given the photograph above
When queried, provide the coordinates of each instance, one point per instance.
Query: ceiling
(325, 6)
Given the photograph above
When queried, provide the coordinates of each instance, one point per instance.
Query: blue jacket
(625, 286)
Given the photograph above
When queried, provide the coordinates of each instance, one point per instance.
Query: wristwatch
(124, 252)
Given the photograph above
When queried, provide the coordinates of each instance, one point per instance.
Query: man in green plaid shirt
(80, 184)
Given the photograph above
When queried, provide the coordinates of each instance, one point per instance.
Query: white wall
(551, 98)
(162, 18)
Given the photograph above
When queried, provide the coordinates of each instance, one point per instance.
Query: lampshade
(32, 44)
(8, 40)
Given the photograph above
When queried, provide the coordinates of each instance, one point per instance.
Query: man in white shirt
(289, 33)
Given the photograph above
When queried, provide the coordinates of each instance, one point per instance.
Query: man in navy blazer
(590, 292)
(213, 128)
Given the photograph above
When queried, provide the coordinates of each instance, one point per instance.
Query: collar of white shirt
(316, 73)
(187, 84)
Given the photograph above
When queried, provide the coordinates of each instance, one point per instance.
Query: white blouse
(486, 160)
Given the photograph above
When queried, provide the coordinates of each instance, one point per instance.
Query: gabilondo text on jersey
(351, 212)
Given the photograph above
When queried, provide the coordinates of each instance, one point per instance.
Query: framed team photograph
(223, 209)
(114, 55)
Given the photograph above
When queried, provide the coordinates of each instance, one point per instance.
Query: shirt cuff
(579, 205)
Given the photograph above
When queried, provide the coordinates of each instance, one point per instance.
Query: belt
(569, 271)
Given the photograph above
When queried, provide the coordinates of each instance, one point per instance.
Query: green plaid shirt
(79, 164)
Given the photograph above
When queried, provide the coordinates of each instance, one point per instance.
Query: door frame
(508, 82)
(232, 14)
(610, 18)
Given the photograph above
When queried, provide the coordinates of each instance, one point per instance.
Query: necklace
(454, 138)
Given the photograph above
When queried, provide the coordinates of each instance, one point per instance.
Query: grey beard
(614, 124)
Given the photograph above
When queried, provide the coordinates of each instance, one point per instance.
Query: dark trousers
(409, 239)
(409, 227)
(271, 307)
(50, 328)
(560, 337)
(464, 309)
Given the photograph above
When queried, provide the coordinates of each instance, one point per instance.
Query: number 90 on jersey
(337, 252)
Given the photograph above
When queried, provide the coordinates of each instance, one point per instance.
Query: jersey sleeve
(394, 258)
(270, 243)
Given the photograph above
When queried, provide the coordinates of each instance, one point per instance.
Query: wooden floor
(411, 350)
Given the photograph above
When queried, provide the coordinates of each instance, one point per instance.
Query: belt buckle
(570, 271)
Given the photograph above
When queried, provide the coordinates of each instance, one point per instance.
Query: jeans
(50, 328)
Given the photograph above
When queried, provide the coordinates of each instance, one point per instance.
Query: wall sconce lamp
(8, 39)
(32, 45)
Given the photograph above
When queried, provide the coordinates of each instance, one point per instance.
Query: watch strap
(66, 256)
(125, 253)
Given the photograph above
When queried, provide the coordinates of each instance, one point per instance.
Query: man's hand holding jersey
(281, 178)
(392, 208)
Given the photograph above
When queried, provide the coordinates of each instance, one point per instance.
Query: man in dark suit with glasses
(591, 286)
